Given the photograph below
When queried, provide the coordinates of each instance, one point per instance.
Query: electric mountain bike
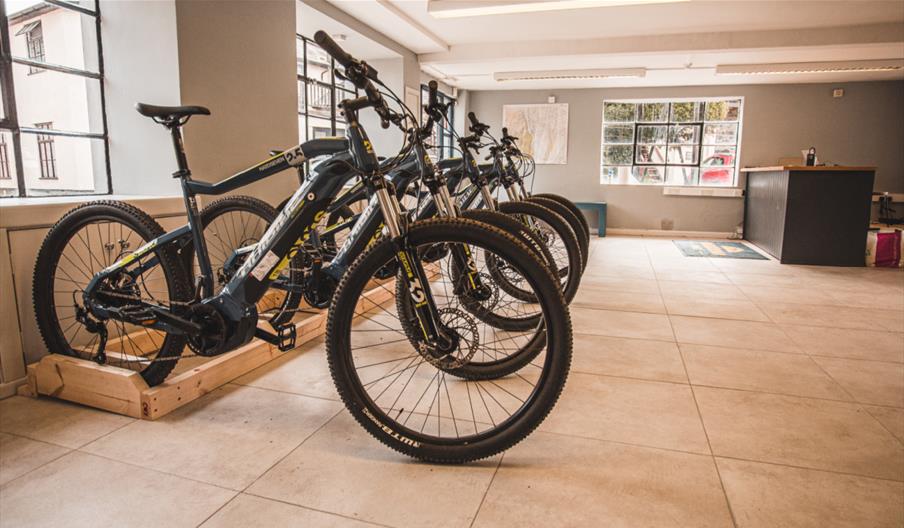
(412, 398)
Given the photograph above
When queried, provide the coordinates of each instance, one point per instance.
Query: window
(442, 139)
(54, 124)
(677, 142)
(46, 155)
(319, 92)
(4, 159)
(34, 43)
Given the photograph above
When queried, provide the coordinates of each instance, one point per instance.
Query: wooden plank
(104, 387)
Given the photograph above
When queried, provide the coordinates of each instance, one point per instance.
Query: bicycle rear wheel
(86, 240)
(407, 397)
(585, 227)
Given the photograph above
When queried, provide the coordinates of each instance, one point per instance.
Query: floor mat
(717, 249)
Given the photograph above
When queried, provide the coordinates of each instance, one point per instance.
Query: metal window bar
(10, 122)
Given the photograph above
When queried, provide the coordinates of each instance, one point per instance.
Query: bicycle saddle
(169, 113)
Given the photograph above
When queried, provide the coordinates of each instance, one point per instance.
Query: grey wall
(865, 127)
(238, 58)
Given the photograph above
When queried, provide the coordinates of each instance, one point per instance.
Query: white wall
(141, 152)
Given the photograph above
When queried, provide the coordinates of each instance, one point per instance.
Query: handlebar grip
(473, 119)
(504, 132)
(329, 45)
(431, 99)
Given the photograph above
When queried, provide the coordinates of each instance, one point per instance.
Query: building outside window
(46, 155)
(442, 138)
(60, 40)
(4, 159)
(319, 92)
(687, 142)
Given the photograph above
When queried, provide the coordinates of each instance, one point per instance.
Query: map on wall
(541, 129)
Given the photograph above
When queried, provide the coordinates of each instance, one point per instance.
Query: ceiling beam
(718, 41)
(420, 28)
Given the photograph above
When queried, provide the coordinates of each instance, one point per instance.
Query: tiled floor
(704, 392)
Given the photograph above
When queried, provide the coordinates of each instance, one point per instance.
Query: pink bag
(888, 249)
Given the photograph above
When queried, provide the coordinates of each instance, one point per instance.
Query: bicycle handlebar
(360, 74)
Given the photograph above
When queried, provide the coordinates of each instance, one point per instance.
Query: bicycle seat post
(181, 159)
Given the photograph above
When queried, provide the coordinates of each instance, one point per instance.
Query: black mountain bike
(108, 267)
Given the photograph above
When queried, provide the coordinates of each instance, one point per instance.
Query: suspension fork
(414, 276)
(445, 206)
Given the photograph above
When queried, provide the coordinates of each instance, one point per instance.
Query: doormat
(718, 249)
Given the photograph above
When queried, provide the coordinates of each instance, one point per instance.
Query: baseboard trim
(669, 233)
(9, 388)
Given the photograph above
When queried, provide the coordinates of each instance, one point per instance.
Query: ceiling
(679, 43)
(309, 20)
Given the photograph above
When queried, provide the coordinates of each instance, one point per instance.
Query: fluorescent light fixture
(615, 73)
(466, 8)
(788, 68)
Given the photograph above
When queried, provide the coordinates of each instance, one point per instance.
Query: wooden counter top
(806, 168)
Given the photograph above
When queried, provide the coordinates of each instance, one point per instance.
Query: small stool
(600, 208)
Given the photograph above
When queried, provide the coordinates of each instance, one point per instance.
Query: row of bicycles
(467, 356)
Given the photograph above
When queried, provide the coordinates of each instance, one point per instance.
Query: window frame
(443, 133)
(336, 92)
(10, 121)
(699, 146)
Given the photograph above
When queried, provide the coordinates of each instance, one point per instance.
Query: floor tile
(621, 324)
(85, 490)
(640, 269)
(704, 290)
(552, 480)
(638, 412)
(248, 510)
(891, 417)
(868, 381)
(342, 469)
(19, 455)
(605, 282)
(57, 422)
(848, 343)
(242, 432)
(714, 276)
(722, 309)
(817, 434)
(776, 372)
(302, 371)
(632, 358)
(767, 495)
(728, 333)
(786, 294)
(593, 297)
(834, 316)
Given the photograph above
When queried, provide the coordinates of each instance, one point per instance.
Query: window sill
(671, 190)
(44, 211)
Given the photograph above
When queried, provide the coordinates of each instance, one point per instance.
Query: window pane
(720, 134)
(718, 156)
(687, 112)
(652, 112)
(723, 110)
(652, 134)
(621, 112)
(70, 102)
(617, 154)
(682, 155)
(318, 128)
(721, 177)
(618, 134)
(650, 154)
(684, 134)
(52, 34)
(648, 175)
(63, 165)
(9, 185)
(617, 175)
(299, 56)
(681, 175)
(318, 64)
(319, 100)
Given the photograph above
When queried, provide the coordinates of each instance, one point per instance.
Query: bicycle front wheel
(408, 397)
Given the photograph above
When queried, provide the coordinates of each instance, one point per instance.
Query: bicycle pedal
(284, 338)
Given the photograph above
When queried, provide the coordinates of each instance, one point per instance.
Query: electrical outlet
(838, 92)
